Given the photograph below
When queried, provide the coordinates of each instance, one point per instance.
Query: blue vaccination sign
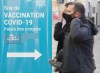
(25, 36)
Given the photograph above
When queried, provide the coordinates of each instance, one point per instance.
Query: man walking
(78, 44)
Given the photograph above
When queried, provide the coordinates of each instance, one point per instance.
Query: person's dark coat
(78, 48)
(59, 34)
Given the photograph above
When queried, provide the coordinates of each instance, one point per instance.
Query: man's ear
(77, 14)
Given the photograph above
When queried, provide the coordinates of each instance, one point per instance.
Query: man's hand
(54, 60)
(64, 11)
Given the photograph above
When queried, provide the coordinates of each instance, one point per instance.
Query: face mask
(67, 17)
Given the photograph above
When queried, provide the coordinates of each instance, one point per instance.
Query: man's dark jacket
(78, 48)
(59, 34)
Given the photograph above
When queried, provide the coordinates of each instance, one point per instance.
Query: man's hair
(69, 3)
(79, 7)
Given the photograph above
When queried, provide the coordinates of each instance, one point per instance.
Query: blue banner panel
(25, 36)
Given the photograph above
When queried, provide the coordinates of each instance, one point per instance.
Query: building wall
(98, 13)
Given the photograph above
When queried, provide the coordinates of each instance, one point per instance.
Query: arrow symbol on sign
(34, 54)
